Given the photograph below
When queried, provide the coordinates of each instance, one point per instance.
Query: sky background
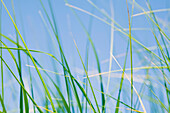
(37, 37)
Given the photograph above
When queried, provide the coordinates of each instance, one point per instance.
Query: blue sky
(37, 37)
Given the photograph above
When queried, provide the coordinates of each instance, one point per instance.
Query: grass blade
(121, 82)
(2, 103)
(2, 75)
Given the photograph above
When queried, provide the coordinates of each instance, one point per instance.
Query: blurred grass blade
(46, 103)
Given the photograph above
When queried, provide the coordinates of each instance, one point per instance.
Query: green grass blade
(53, 18)
(46, 103)
(32, 91)
(85, 80)
(2, 76)
(121, 82)
(131, 59)
(21, 101)
(2, 103)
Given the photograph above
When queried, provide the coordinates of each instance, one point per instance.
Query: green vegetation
(69, 92)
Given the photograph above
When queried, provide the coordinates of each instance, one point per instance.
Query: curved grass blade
(81, 88)
(58, 90)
